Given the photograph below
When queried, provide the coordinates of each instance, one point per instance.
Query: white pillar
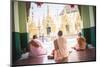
(16, 17)
(91, 16)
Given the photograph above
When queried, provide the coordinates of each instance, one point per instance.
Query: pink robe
(37, 51)
(61, 50)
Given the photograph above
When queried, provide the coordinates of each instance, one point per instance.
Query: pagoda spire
(48, 10)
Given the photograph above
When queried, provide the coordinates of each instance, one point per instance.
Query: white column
(91, 16)
(16, 17)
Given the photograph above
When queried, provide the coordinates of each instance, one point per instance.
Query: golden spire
(65, 10)
(48, 11)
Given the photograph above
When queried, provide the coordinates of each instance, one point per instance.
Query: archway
(46, 24)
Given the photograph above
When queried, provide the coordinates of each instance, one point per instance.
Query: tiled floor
(75, 56)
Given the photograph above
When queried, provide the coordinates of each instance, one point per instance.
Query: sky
(40, 12)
